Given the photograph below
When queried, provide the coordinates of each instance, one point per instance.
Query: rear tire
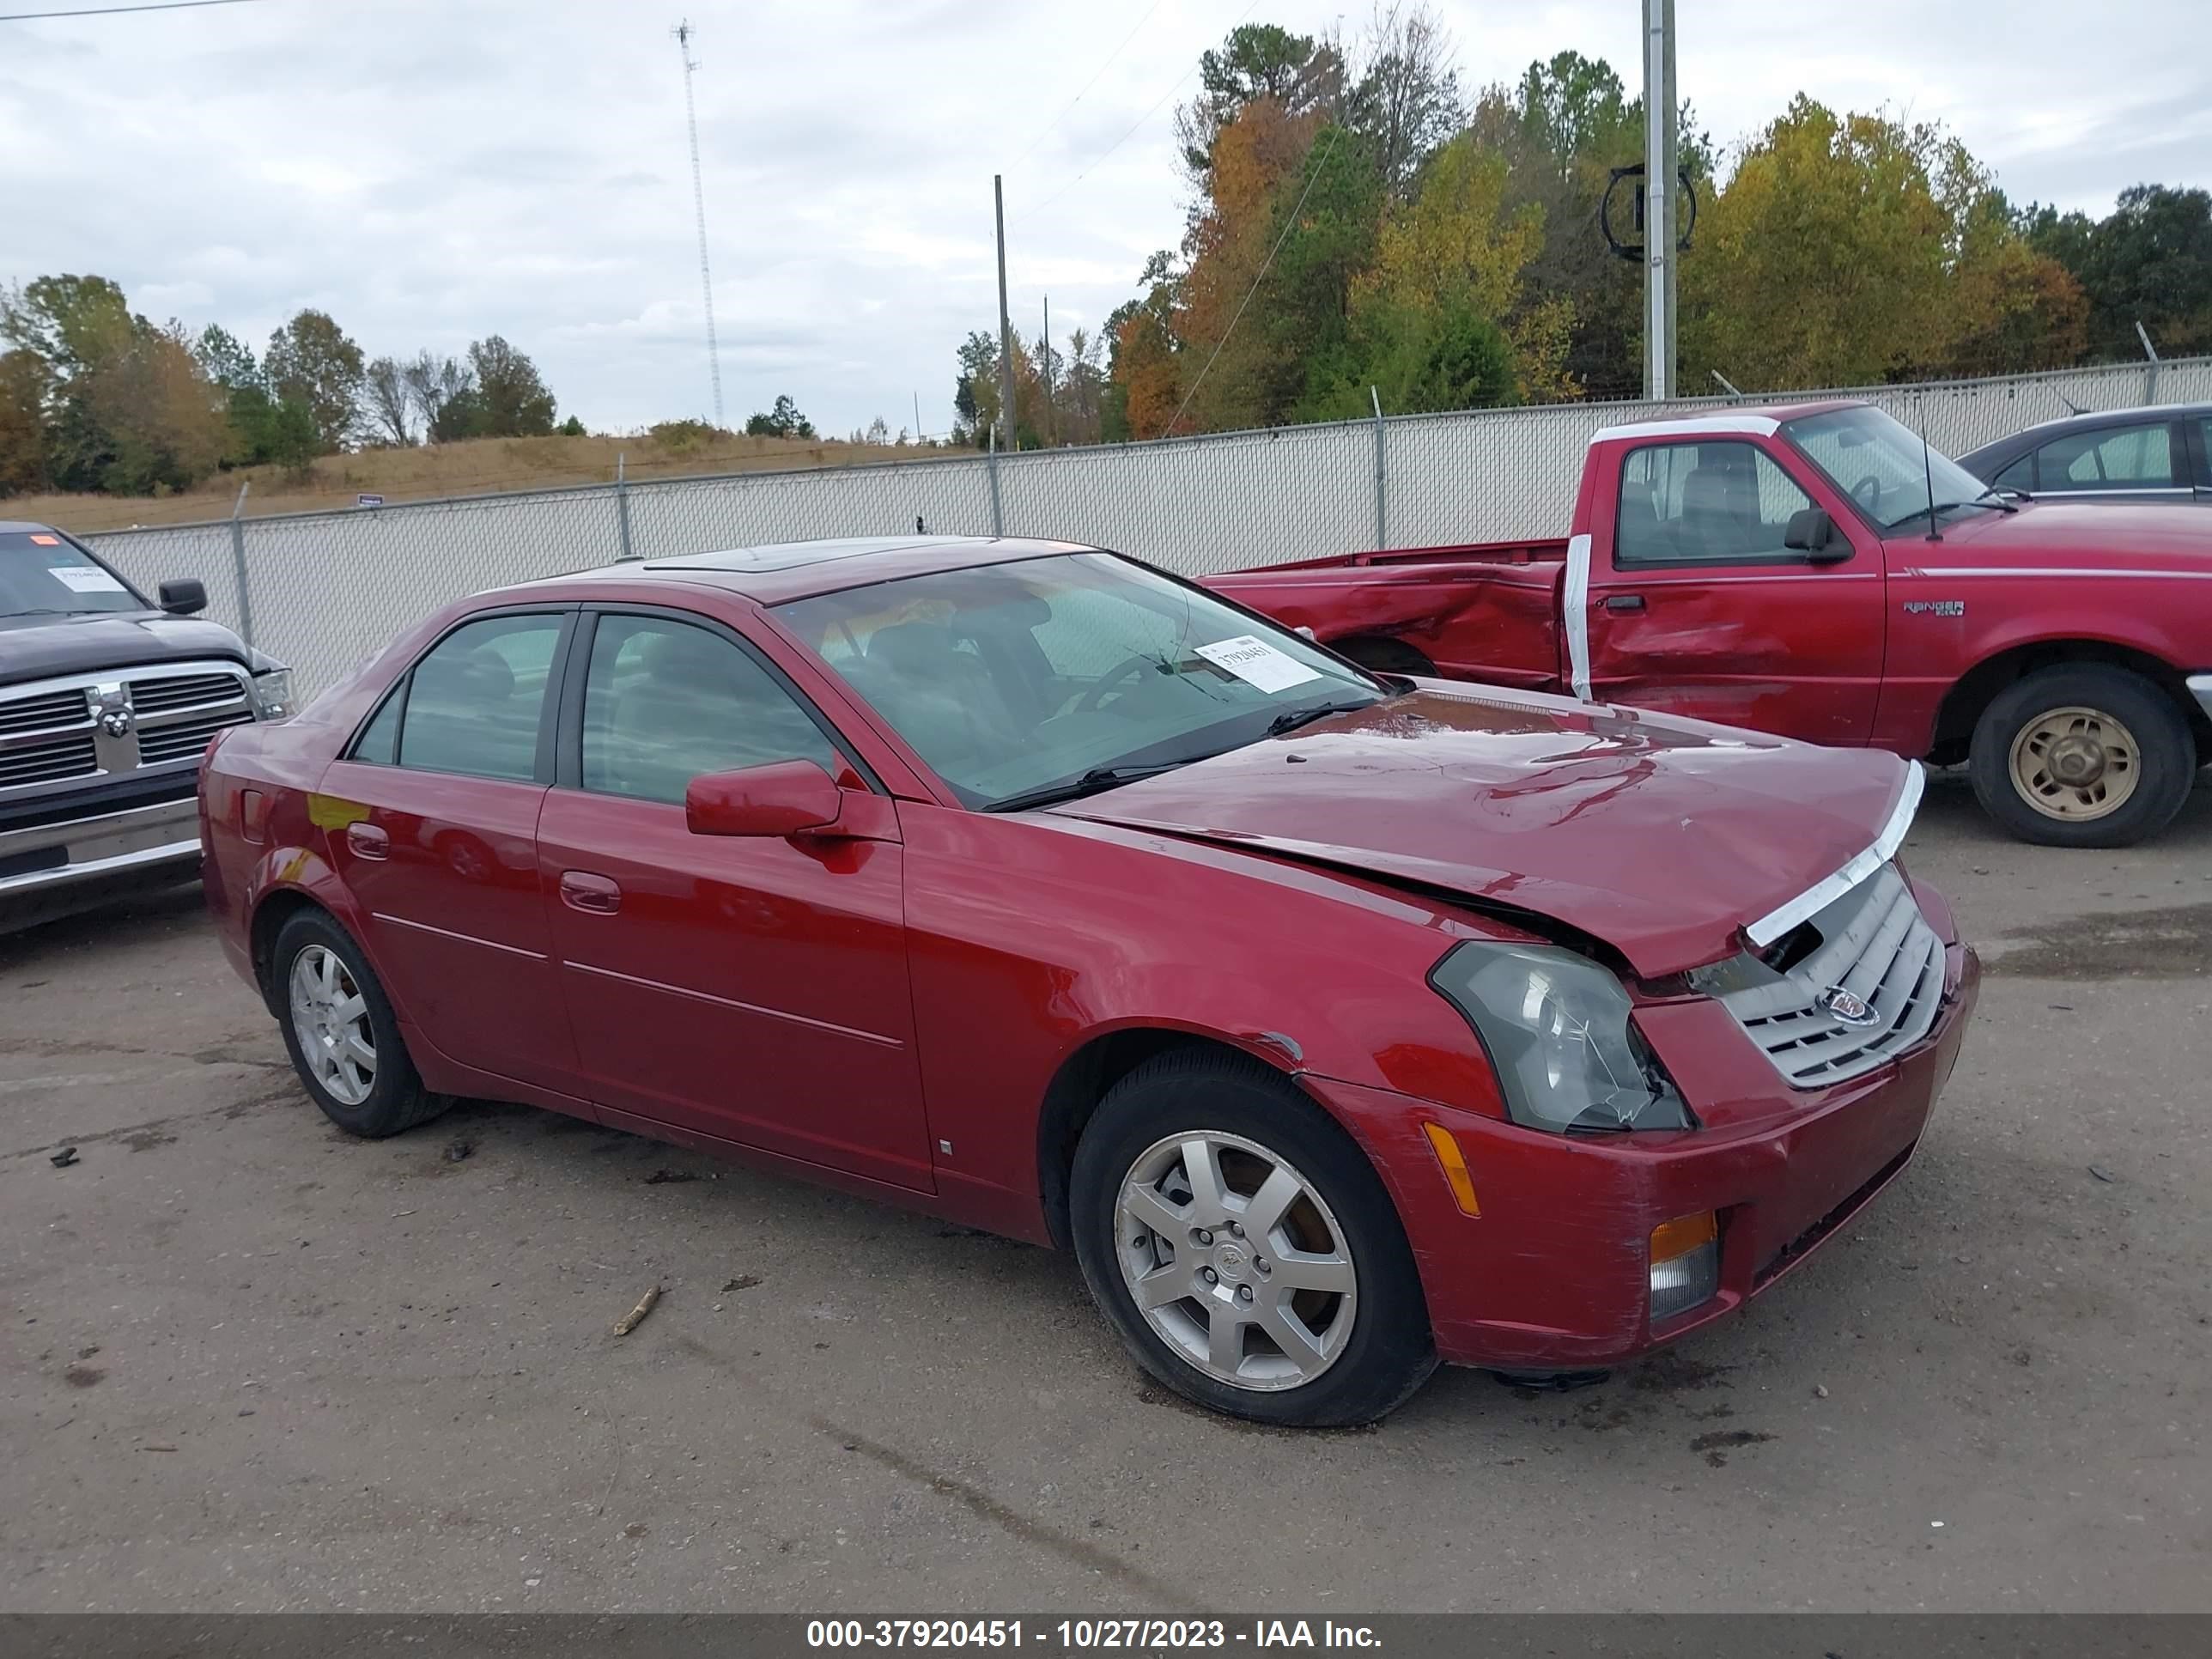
(2083, 755)
(1323, 1265)
(341, 1032)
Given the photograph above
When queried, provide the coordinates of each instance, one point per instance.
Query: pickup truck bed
(1422, 609)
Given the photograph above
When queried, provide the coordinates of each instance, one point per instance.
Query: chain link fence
(323, 591)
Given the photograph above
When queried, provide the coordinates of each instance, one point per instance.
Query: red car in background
(1339, 1023)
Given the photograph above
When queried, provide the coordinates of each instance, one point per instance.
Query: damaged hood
(1664, 838)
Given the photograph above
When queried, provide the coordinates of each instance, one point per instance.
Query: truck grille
(186, 738)
(59, 730)
(1872, 945)
(49, 760)
(182, 691)
(48, 709)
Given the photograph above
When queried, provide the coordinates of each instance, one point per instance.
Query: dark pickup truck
(107, 702)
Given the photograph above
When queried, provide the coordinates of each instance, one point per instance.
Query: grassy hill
(478, 466)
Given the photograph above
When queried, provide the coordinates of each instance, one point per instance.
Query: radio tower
(683, 32)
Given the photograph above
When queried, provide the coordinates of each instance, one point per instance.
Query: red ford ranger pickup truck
(1815, 571)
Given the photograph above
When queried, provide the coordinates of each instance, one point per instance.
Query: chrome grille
(49, 760)
(62, 730)
(1872, 943)
(186, 738)
(48, 709)
(153, 696)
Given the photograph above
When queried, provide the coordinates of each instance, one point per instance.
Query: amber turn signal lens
(1684, 1234)
(1454, 1167)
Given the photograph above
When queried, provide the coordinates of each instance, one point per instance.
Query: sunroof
(782, 555)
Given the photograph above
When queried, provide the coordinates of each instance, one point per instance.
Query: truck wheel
(2083, 755)
(1244, 1247)
(1385, 656)
(342, 1034)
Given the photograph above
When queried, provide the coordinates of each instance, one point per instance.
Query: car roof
(10, 526)
(776, 572)
(2034, 437)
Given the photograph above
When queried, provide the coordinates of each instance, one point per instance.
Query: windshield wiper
(1098, 778)
(1290, 719)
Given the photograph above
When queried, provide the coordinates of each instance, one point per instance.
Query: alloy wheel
(330, 1019)
(1235, 1260)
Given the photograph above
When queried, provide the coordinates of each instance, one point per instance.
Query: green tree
(1302, 74)
(311, 361)
(225, 359)
(571, 427)
(2149, 260)
(25, 383)
(782, 421)
(385, 399)
(514, 403)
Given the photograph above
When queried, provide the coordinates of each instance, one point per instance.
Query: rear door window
(474, 702)
(2124, 457)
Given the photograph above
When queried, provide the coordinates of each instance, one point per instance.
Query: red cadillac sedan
(1339, 1024)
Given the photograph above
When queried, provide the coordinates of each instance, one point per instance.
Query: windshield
(1878, 462)
(1010, 679)
(44, 573)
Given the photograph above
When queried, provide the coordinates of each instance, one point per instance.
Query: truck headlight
(272, 694)
(1556, 1027)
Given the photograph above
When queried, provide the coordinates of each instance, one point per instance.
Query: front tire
(1244, 1249)
(2083, 755)
(341, 1031)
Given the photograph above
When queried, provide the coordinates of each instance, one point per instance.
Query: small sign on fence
(369, 500)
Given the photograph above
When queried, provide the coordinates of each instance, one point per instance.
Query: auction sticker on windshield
(86, 579)
(1255, 661)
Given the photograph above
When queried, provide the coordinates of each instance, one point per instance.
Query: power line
(1046, 130)
(1092, 165)
(1267, 266)
(105, 11)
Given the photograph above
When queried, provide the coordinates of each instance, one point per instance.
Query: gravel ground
(249, 1364)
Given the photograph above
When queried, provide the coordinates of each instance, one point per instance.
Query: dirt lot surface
(250, 1364)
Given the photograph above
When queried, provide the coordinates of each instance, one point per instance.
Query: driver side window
(666, 701)
(1704, 503)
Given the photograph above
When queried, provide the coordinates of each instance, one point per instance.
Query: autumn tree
(1848, 250)
(311, 362)
(1302, 74)
(512, 398)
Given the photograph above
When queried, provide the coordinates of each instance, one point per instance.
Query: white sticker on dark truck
(1255, 661)
(86, 579)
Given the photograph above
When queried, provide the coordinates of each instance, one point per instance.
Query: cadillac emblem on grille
(1849, 1007)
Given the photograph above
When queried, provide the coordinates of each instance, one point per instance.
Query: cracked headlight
(1556, 1027)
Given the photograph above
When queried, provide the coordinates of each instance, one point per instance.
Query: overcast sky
(429, 171)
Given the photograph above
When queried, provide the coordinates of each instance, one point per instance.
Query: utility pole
(1051, 415)
(683, 32)
(917, 417)
(1662, 165)
(1006, 326)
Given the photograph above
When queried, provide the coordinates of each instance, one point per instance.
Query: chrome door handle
(369, 841)
(580, 889)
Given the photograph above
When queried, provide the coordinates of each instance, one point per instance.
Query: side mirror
(1813, 532)
(183, 597)
(784, 797)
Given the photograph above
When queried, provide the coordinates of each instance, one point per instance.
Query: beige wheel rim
(2075, 764)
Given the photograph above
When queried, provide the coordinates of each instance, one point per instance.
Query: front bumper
(50, 869)
(1555, 1272)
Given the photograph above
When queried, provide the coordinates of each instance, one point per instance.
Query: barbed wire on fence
(326, 588)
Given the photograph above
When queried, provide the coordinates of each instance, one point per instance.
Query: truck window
(2129, 458)
(1704, 503)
